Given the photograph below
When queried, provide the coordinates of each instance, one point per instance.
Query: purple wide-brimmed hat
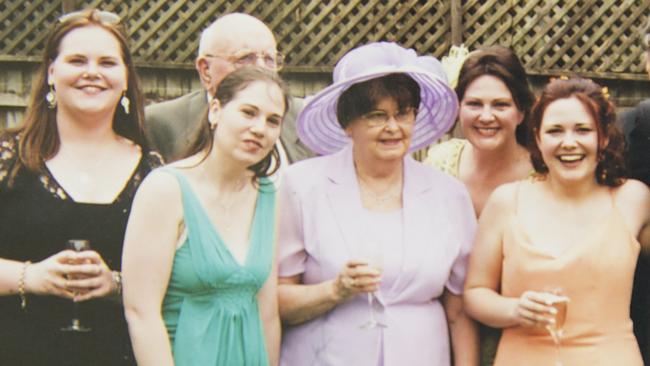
(318, 126)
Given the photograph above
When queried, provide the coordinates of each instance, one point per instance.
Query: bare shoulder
(504, 197)
(159, 187)
(633, 193)
(634, 187)
(633, 201)
(189, 162)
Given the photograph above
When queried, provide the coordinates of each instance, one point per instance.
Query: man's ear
(203, 67)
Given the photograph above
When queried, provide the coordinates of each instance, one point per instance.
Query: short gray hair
(206, 38)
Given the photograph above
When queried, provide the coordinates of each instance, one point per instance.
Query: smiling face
(488, 114)
(387, 142)
(88, 74)
(249, 124)
(568, 140)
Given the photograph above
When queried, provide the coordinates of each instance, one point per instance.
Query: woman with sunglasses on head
(569, 235)
(70, 171)
(373, 245)
(495, 101)
(199, 269)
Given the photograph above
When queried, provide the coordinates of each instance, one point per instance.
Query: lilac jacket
(321, 207)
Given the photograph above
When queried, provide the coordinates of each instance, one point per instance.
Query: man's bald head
(226, 38)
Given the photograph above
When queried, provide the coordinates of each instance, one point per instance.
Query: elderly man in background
(232, 41)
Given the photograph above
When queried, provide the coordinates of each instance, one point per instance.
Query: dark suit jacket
(636, 128)
(170, 126)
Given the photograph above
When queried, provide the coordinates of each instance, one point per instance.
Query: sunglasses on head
(101, 15)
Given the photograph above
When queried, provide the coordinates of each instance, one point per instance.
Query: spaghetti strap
(612, 197)
(180, 178)
(193, 215)
(517, 189)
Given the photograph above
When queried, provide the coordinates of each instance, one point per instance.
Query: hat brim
(318, 127)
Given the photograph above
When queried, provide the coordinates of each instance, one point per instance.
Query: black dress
(37, 217)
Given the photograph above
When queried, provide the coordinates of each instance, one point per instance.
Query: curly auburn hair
(611, 169)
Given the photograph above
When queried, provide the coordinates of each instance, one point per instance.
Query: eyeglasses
(101, 15)
(379, 118)
(274, 60)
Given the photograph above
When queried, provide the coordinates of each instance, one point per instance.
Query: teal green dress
(210, 308)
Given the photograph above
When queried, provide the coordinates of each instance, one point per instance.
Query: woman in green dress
(199, 273)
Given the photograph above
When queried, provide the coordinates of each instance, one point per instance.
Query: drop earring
(125, 102)
(50, 98)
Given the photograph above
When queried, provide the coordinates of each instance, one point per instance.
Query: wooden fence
(594, 38)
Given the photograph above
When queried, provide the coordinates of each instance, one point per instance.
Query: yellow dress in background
(446, 156)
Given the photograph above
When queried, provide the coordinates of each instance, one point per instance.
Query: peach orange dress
(596, 275)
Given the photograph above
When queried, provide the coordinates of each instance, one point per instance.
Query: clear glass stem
(371, 308)
(556, 340)
(75, 312)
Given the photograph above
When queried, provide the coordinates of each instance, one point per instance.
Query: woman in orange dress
(576, 227)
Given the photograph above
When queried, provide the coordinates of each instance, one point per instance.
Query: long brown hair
(38, 136)
(228, 88)
(610, 170)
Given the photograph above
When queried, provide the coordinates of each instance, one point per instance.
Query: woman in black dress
(70, 171)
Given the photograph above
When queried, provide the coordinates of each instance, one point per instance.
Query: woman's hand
(74, 275)
(90, 277)
(48, 277)
(533, 309)
(356, 277)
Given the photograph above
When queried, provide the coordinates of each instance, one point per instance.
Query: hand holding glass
(560, 303)
(374, 256)
(75, 325)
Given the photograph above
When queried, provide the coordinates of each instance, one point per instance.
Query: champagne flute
(75, 325)
(560, 303)
(374, 255)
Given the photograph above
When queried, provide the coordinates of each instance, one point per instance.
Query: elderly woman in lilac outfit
(374, 245)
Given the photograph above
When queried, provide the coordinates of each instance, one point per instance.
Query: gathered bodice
(210, 308)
